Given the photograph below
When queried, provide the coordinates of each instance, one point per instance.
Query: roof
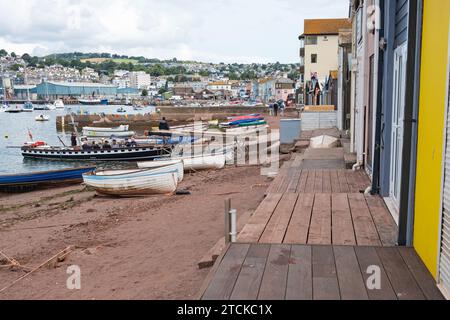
(326, 26)
(80, 84)
(218, 83)
(285, 80)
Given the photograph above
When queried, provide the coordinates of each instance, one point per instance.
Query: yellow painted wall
(433, 93)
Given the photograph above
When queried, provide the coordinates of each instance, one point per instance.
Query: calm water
(14, 132)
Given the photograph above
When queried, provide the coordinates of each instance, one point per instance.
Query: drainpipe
(379, 104)
(410, 125)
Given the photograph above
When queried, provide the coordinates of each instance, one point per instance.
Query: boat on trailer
(64, 176)
(140, 153)
(137, 182)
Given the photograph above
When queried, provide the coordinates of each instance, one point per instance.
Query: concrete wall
(319, 120)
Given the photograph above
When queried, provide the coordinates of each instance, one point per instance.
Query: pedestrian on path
(275, 109)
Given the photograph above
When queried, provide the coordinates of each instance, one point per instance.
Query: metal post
(227, 221)
(233, 220)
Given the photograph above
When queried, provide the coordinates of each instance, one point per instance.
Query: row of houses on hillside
(393, 70)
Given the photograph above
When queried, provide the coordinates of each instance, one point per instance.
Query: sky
(242, 31)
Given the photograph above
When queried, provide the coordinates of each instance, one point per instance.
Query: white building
(139, 80)
(219, 85)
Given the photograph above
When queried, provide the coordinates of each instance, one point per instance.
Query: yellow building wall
(433, 93)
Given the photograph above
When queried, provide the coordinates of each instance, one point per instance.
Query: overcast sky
(205, 30)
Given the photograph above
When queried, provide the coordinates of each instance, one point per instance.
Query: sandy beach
(140, 248)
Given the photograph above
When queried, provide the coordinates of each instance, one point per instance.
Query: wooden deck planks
(343, 184)
(318, 182)
(402, 280)
(342, 225)
(302, 272)
(385, 224)
(293, 184)
(299, 282)
(327, 181)
(368, 257)
(274, 281)
(335, 185)
(310, 182)
(249, 280)
(278, 223)
(351, 283)
(320, 228)
(298, 229)
(223, 281)
(301, 188)
(325, 282)
(421, 274)
(253, 230)
(365, 231)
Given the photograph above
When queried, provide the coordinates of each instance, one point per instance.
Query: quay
(317, 236)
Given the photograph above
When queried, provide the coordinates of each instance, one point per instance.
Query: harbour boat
(72, 175)
(137, 182)
(42, 118)
(59, 104)
(3, 107)
(28, 107)
(195, 163)
(120, 131)
(89, 101)
(104, 102)
(121, 110)
(178, 164)
(14, 109)
(140, 153)
(49, 107)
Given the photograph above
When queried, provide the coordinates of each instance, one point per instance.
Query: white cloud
(207, 30)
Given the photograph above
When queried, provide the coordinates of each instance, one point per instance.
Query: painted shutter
(401, 22)
(444, 263)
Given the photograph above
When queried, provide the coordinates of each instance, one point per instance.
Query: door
(398, 112)
(444, 256)
(370, 119)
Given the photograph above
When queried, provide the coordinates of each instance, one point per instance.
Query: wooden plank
(325, 282)
(301, 188)
(278, 224)
(365, 230)
(309, 188)
(351, 283)
(299, 283)
(335, 185)
(253, 230)
(385, 224)
(287, 180)
(343, 184)
(276, 183)
(320, 228)
(222, 284)
(423, 277)
(368, 257)
(326, 181)
(249, 280)
(318, 182)
(352, 183)
(341, 221)
(293, 185)
(273, 285)
(403, 282)
(297, 232)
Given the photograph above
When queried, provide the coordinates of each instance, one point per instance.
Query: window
(311, 40)
(359, 25)
(314, 58)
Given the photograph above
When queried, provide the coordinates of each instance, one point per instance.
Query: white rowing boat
(195, 163)
(178, 164)
(120, 131)
(137, 182)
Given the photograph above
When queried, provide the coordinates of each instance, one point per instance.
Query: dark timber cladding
(302, 272)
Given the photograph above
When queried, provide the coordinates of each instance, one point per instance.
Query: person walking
(73, 139)
(275, 109)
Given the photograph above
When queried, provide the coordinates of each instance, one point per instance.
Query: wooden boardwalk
(320, 207)
(299, 272)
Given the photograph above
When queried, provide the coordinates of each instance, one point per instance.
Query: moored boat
(59, 104)
(137, 182)
(72, 175)
(120, 131)
(14, 109)
(28, 107)
(141, 153)
(89, 101)
(42, 118)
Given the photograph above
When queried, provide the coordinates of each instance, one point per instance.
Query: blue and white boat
(28, 107)
(72, 175)
(130, 183)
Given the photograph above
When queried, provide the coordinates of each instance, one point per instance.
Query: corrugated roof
(326, 26)
(80, 84)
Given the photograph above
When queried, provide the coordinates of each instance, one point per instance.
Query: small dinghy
(42, 118)
(198, 163)
(160, 164)
(137, 182)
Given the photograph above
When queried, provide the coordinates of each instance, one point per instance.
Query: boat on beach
(136, 182)
(139, 153)
(178, 164)
(65, 176)
(192, 163)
